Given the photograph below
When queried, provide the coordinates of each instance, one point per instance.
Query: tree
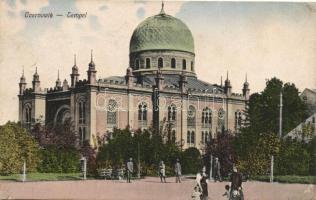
(222, 148)
(191, 161)
(16, 146)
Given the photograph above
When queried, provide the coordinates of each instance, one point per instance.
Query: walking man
(177, 170)
(129, 169)
(162, 172)
(217, 170)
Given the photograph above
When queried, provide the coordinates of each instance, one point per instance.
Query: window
(191, 137)
(192, 67)
(173, 136)
(238, 120)
(206, 117)
(184, 64)
(142, 114)
(137, 64)
(112, 113)
(172, 112)
(160, 63)
(173, 63)
(82, 120)
(205, 137)
(191, 116)
(28, 116)
(147, 63)
(82, 112)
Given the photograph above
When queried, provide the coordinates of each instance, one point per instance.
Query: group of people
(161, 171)
(233, 191)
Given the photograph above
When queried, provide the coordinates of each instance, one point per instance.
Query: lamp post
(24, 171)
(138, 156)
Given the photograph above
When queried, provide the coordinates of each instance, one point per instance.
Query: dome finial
(91, 55)
(246, 78)
(75, 59)
(162, 12)
(58, 75)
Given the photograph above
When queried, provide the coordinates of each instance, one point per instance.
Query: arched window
(192, 67)
(191, 137)
(147, 63)
(160, 63)
(173, 136)
(206, 117)
(173, 63)
(28, 116)
(142, 114)
(82, 120)
(191, 116)
(184, 64)
(112, 113)
(82, 112)
(205, 137)
(172, 112)
(238, 120)
(137, 64)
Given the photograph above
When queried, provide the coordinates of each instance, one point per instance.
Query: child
(227, 192)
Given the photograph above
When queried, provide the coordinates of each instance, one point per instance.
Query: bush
(191, 161)
(59, 160)
(293, 159)
(16, 145)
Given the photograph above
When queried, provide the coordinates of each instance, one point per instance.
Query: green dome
(162, 32)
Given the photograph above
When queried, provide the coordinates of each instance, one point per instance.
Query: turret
(246, 90)
(159, 80)
(65, 85)
(129, 78)
(22, 84)
(92, 72)
(36, 82)
(58, 82)
(227, 87)
(183, 82)
(74, 73)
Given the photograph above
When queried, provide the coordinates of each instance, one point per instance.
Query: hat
(130, 159)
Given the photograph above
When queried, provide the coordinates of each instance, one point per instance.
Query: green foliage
(222, 148)
(254, 159)
(16, 145)
(148, 146)
(293, 159)
(263, 108)
(54, 159)
(191, 161)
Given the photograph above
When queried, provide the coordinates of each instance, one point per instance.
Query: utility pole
(280, 135)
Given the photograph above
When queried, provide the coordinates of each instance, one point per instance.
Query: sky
(260, 39)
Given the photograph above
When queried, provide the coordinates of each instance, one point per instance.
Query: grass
(287, 179)
(43, 177)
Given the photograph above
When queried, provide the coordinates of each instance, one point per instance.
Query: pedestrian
(177, 170)
(236, 182)
(203, 184)
(162, 171)
(129, 169)
(217, 170)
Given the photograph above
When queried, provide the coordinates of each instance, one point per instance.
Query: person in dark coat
(217, 170)
(129, 169)
(203, 182)
(236, 182)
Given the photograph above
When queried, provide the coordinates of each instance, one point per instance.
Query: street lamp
(138, 157)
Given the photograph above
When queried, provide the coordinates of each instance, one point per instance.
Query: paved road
(147, 189)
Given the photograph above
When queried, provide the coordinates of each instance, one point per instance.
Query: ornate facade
(160, 86)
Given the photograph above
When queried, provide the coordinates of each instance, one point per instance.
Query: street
(149, 188)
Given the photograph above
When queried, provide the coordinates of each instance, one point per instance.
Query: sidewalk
(147, 189)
